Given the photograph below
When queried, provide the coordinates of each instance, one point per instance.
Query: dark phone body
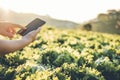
(32, 26)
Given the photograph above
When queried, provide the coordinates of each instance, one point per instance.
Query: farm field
(65, 55)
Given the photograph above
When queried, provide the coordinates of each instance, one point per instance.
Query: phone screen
(35, 24)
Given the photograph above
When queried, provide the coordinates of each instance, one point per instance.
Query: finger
(11, 35)
(13, 25)
(11, 30)
(35, 32)
(8, 34)
(18, 26)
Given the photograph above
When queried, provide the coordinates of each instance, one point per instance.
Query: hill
(105, 22)
(25, 18)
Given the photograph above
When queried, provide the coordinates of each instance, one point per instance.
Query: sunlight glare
(74, 10)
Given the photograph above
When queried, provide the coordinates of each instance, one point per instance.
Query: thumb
(18, 26)
(38, 29)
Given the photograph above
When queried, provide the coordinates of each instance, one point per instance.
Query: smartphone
(33, 25)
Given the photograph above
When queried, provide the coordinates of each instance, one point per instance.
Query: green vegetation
(65, 55)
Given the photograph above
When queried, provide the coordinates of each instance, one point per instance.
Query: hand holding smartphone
(35, 24)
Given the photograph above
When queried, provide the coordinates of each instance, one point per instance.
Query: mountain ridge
(25, 18)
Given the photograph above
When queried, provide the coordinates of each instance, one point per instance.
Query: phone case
(32, 26)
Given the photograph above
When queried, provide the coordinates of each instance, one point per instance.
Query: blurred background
(98, 16)
(80, 40)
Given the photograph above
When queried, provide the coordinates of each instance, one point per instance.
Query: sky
(73, 10)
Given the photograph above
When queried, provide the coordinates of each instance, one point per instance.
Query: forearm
(7, 46)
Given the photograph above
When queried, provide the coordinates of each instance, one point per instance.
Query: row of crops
(65, 55)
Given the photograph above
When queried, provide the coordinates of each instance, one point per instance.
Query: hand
(31, 36)
(9, 29)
